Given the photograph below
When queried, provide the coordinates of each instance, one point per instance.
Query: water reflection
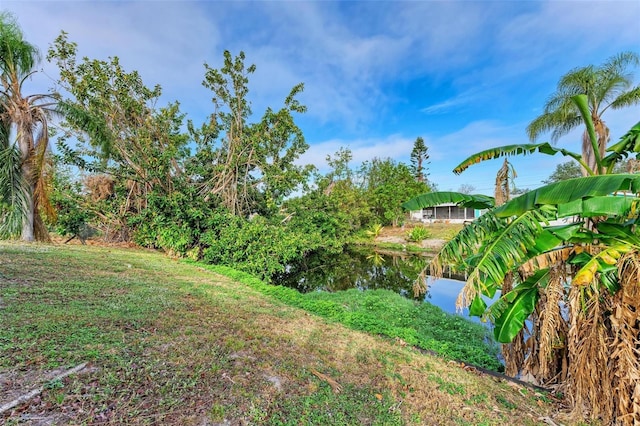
(363, 268)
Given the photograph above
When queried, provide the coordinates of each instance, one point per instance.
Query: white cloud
(396, 147)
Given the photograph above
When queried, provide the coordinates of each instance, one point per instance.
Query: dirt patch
(94, 241)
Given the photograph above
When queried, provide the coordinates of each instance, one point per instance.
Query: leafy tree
(419, 159)
(571, 169)
(25, 168)
(386, 184)
(249, 167)
(119, 132)
(609, 85)
(564, 171)
(575, 284)
(72, 218)
(339, 163)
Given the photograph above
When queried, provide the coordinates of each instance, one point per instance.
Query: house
(448, 212)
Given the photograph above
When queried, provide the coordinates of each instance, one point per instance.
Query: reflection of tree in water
(354, 268)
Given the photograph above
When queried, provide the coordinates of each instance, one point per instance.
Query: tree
(574, 284)
(609, 85)
(249, 167)
(466, 188)
(25, 171)
(343, 195)
(381, 180)
(120, 136)
(419, 157)
(564, 171)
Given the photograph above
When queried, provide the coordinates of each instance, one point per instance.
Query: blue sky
(465, 76)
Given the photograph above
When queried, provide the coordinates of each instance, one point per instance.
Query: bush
(375, 230)
(417, 234)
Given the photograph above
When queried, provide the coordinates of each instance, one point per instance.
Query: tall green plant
(573, 283)
(118, 132)
(25, 196)
(249, 167)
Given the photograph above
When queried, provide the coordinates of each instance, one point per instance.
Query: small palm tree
(609, 85)
(24, 171)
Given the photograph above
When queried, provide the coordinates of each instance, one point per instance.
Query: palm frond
(627, 99)
(17, 56)
(13, 193)
(617, 64)
(569, 122)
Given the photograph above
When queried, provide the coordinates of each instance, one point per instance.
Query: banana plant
(565, 281)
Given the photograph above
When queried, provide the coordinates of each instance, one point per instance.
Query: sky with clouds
(464, 75)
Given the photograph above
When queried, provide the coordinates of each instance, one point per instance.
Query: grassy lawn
(167, 342)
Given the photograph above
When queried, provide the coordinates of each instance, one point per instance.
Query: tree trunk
(26, 146)
(29, 219)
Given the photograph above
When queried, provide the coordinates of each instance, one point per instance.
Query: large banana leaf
(431, 199)
(598, 206)
(569, 190)
(510, 150)
(622, 233)
(512, 309)
(553, 236)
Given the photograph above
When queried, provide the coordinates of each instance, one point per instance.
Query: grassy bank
(173, 343)
(387, 313)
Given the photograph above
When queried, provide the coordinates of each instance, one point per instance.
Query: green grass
(172, 343)
(387, 313)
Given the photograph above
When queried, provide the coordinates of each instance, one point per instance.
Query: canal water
(364, 268)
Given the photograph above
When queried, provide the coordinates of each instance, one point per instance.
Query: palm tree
(609, 85)
(24, 193)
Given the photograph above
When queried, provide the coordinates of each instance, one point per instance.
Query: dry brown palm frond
(546, 260)
(99, 187)
(466, 296)
(588, 383)
(503, 177)
(40, 231)
(436, 268)
(420, 284)
(625, 343)
(43, 187)
(553, 327)
(514, 356)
